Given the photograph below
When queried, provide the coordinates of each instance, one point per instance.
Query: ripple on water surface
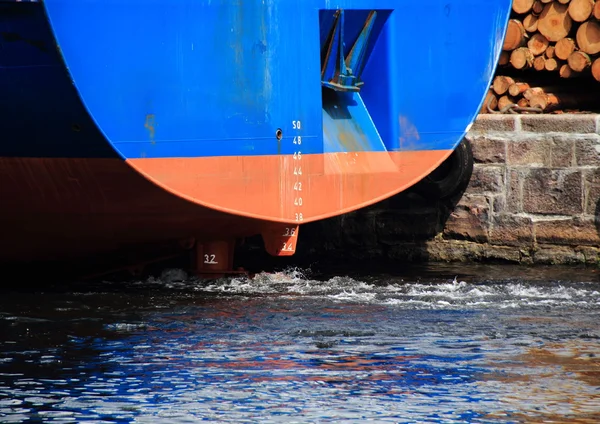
(284, 347)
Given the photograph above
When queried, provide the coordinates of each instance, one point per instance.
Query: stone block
(487, 179)
(469, 220)
(548, 191)
(591, 192)
(559, 123)
(544, 151)
(591, 254)
(587, 150)
(491, 122)
(488, 149)
(572, 231)
(498, 203)
(530, 153)
(558, 255)
(502, 253)
(514, 190)
(563, 152)
(454, 251)
(512, 230)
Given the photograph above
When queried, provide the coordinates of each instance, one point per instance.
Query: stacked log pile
(550, 60)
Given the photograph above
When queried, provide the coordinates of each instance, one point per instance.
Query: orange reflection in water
(556, 383)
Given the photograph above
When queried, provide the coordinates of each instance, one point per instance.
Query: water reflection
(283, 348)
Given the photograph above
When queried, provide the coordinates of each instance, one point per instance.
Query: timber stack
(550, 60)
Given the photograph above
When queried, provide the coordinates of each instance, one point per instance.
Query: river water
(479, 344)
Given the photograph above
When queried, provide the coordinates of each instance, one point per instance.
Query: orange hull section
(68, 208)
(287, 188)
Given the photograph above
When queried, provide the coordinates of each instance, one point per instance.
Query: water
(491, 345)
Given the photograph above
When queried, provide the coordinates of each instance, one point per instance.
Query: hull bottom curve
(56, 209)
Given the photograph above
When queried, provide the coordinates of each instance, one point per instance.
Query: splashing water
(385, 291)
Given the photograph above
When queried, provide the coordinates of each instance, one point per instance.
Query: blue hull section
(191, 78)
(42, 114)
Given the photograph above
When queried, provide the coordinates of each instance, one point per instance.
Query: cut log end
(515, 35)
(544, 101)
(588, 37)
(537, 44)
(530, 92)
(579, 61)
(504, 102)
(596, 10)
(522, 6)
(530, 23)
(517, 88)
(564, 47)
(521, 58)
(596, 69)
(539, 63)
(501, 83)
(554, 22)
(552, 65)
(581, 10)
(566, 71)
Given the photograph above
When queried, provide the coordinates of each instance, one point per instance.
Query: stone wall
(533, 198)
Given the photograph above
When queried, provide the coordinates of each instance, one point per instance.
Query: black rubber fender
(451, 177)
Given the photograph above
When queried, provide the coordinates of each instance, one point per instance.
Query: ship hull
(58, 209)
(220, 120)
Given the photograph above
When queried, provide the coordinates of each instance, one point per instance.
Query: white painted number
(298, 201)
(210, 259)
(289, 232)
(288, 247)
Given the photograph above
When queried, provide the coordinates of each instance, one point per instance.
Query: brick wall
(532, 199)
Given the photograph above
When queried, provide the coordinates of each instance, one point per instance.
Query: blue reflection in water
(284, 348)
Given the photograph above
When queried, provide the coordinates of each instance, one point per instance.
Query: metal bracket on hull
(337, 72)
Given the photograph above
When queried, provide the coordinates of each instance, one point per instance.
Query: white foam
(455, 293)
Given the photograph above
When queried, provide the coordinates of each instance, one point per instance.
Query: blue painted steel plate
(193, 78)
